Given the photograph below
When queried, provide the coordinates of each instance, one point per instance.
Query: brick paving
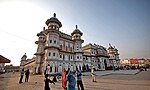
(139, 81)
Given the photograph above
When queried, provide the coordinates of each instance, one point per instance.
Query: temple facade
(96, 56)
(57, 50)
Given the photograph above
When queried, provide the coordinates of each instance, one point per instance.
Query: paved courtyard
(115, 81)
(110, 72)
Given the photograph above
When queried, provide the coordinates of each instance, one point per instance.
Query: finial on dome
(109, 44)
(76, 27)
(43, 28)
(54, 14)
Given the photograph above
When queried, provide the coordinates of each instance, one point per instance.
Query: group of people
(27, 72)
(69, 81)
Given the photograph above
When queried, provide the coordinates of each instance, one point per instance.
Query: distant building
(11, 68)
(57, 50)
(3, 60)
(135, 62)
(114, 56)
(147, 63)
(125, 62)
(28, 63)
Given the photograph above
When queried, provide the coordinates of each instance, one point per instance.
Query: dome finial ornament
(76, 27)
(109, 44)
(54, 14)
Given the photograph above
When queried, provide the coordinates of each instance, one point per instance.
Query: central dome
(53, 20)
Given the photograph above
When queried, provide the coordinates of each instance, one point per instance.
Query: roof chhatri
(77, 31)
(53, 20)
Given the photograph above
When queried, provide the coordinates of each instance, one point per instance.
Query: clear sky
(123, 23)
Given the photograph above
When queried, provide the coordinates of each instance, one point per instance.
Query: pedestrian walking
(21, 75)
(79, 80)
(93, 75)
(71, 81)
(64, 82)
(47, 81)
(27, 75)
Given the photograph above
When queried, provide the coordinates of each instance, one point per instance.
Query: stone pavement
(104, 73)
(105, 82)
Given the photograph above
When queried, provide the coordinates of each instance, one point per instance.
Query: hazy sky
(123, 23)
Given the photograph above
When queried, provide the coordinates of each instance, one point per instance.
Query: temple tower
(76, 36)
(23, 61)
(40, 52)
(52, 44)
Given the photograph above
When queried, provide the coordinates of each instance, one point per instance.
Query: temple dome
(53, 20)
(76, 31)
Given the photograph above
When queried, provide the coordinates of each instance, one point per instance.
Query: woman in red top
(64, 82)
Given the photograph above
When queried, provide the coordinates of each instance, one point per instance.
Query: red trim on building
(134, 61)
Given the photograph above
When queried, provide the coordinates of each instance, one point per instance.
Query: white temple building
(57, 50)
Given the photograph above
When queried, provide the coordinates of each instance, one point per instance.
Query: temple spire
(109, 44)
(54, 14)
(76, 27)
(43, 28)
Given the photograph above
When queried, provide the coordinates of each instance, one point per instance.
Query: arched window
(71, 49)
(71, 57)
(54, 41)
(53, 27)
(49, 54)
(50, 41)
(61, 47)
(77, 57)
(53, 54)
(96, 52)
(66, 48)
(80, 57)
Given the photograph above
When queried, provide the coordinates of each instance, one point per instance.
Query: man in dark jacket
(21, 75)
(27, 75)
